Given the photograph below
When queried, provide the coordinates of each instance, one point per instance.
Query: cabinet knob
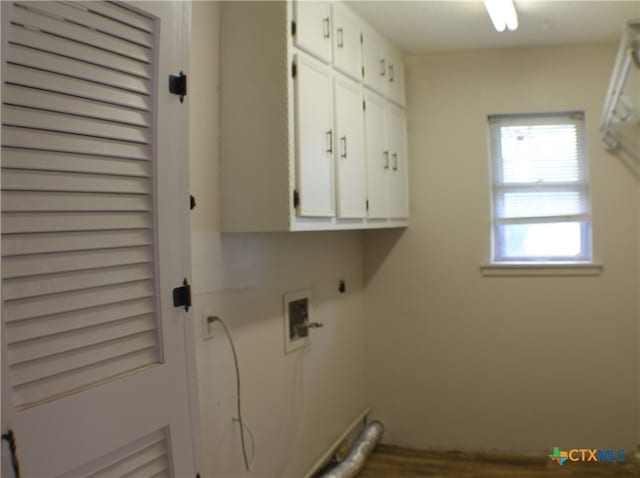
(343, 143)
(391, 75)
(383, 67)
(340, 38)
(386, 159)
(329, 141)
(395, 161)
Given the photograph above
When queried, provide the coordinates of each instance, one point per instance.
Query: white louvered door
(94, 238)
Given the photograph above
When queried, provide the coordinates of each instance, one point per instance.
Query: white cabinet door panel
(315, 139)
(346, 43)
(395, 76)
(374, 62)
(350, 150)
(313, 28)
(377, 154)
(398, 200)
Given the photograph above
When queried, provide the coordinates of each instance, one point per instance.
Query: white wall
(297, 404)
(457, 360)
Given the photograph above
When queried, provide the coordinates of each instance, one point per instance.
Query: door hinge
(294, 69)
(361, 38)
(367, 204)
(364, 105)
(182, 295)
(10, 438)
(178, 85)
(293, 28)
(296, 198)
(363, 72)
(192, 202)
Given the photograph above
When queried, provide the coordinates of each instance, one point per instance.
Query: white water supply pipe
(355, 460)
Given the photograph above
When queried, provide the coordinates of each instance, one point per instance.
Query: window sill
(540, 269)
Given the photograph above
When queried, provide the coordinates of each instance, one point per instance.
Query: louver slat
(65, 383)
(82, 16)
(79, 34)
(45, 284)
(77, 106)
(119, 13)
(35, 201)
(56, 324)
(43, 60)
(78, 231)
(25, 244)
(34, 77)
(147, 457)
(60, 47)
(37, 264)
(51, 161)
(29, 117)
(70, 143)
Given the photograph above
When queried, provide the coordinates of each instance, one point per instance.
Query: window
(541, 207)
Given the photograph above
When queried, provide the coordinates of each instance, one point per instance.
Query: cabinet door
(314, 138)
(377, 155)
(351, 176)
(313, 28)
(398, 197)
(395, 76)
(346, 42)
(374, 63)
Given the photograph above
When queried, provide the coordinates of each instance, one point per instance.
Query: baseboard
(336, 443)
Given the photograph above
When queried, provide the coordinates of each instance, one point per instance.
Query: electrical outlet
(207, 325)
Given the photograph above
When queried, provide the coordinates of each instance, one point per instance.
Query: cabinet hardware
(340, 38)
(296, 198)
(329, 141)
(395, 161)
(182, 296)
(391, 75)
(325, 25)
(178, 85)
(386, 159)
(294, 69)
(293, 28)
(383, 67)
(343, 141)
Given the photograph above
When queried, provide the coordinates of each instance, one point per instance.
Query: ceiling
(437, 25)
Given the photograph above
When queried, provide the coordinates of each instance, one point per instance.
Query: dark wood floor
(394, 462)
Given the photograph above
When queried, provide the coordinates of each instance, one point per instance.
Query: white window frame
(583, 185)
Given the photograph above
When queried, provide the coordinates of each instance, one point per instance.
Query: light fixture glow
(503, 14)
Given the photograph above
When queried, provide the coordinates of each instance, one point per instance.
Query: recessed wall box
(296, 318)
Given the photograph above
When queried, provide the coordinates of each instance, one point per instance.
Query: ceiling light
(503, 14)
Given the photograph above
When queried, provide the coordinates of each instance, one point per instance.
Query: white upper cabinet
(398, 197)
(350, 157)
(377, 153)
(320, 145)
(374, 62)
(314, 138)
(383, 66)
(313, 28)
(346, 42)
